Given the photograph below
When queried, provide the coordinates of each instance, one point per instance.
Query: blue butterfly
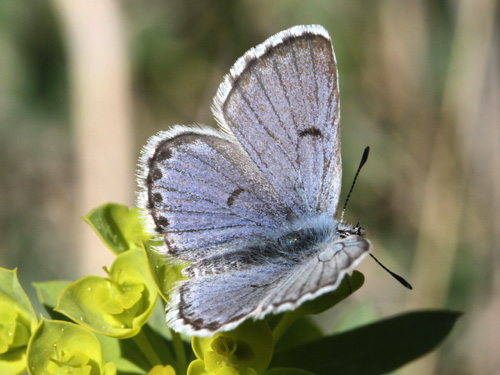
(251, 207)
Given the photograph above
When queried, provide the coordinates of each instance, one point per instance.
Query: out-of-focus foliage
(419, 84)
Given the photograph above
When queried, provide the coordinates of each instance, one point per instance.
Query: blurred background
(84, 83)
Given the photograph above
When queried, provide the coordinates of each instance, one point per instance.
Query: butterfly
(251, 206)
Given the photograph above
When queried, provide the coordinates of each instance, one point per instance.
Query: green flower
(247, 350)
(17, 321)
(76, 362)
(118, 305)
(14, 333)
(120, 298)
(64, 348)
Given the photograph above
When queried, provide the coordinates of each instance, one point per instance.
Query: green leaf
(357, 314)
(349, 285)
(117, 306)
(157, 322)
(298, 333)
(119, 227)
(155, 350)
(377, 348)
(48, 293)
(174, 342)
(163, 270)
(63, 347)
(17, 322)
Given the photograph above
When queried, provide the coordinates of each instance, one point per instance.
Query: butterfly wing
(203, 194)
(321, 273)
(281, 101)
(254, 291)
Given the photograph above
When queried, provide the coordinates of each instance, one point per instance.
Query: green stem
(285, 322)
(146, 348)
(180, 353)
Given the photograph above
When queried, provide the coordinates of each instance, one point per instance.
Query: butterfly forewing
(281, 102)
(203, 192)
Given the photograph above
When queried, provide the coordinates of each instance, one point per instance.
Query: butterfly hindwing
(256, 290)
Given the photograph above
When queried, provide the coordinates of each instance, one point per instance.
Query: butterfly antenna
(364, 158)
(395, 275)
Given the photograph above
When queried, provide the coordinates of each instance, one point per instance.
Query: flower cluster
(116, 324)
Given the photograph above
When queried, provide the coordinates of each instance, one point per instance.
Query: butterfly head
(345, 230)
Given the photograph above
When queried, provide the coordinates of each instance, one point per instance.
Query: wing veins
(209, 229)
(257, 154)
(261, 123)
(318, 282)
(234, 182)
(191, 195)
(297, 70)
(328, 162)
(285, 94)
(261, 84)
(325, 163)
(227, 211)
(199, 198)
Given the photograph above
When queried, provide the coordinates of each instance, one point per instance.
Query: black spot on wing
(234, 195)
(157, 198)
(156, 174)
(171, 248)
(163, 154)
(162, 221)
(312, 131)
